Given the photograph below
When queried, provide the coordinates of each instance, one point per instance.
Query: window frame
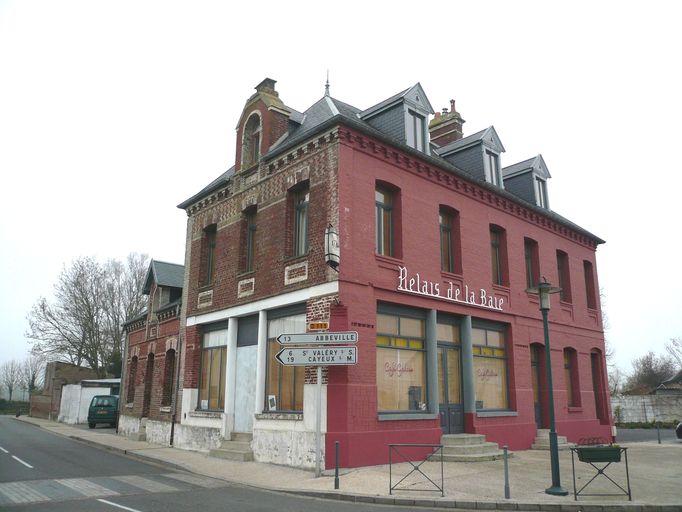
(590, 287)
(571, 377)
(249, 242)
(445, 221)
(491, 167)
(207, 273)
(564, 273)
(488, 326)
(531, 253)
(222, 375)
(251, 141)
(540, 186)
(498, 256)
(297, 314)
(168, 377)
(415, 136)
(301, 220)
(384, 216)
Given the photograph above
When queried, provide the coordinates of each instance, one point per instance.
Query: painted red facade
(341, 162)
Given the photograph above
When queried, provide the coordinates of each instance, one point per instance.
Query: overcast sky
(112, 113)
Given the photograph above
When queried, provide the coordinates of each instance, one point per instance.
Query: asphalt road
(42, 471)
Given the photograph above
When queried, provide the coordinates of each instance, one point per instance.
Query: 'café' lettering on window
(486, 374)
(392, 368)
(447, 290)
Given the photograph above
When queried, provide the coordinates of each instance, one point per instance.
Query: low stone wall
(646, 408)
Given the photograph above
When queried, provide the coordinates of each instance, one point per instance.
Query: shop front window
(490, 368)
(213, 367)
(401, 364)
(284, 384)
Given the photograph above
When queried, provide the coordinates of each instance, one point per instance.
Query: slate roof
(537, 162)
(329, 112)
(164, 274)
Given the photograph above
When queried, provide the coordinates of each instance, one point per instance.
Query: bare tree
(648, 372)
(83, 324)
(10, 376)
(674, 348)
(32, 372)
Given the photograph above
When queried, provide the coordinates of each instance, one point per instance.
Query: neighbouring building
(150, 367)
(46, 402)
(437, 245)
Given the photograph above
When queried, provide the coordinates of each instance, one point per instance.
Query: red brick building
(149, 382)
(438, 244)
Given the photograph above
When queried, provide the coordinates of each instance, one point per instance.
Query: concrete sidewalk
(655, 477)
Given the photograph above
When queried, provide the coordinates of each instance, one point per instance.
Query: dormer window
(541, 192)
(492, 168)
(251, 142)
(416, 130)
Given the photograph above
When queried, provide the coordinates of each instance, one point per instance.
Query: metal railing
(400, 450)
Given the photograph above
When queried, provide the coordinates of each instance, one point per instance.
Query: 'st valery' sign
(447, 291)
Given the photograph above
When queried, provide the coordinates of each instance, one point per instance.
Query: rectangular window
(532, 262)
(590, 290)
(208, 255)
(564, 276)
(401, 363)
(415, 130)
(571, 377)
(541, 192)
(446, 260)
(498, 255)
(490, 368)
(492, 168)
(284, 384)
(384, 222)
(301, 201)
(213, 367)
(250, 241)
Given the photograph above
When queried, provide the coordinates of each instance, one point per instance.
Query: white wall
(76, 402)
(646, 408)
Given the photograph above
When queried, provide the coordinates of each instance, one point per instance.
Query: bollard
(658, 431)
(336, 470)
(507, 494)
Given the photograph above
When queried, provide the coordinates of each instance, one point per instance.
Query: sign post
(319, 349)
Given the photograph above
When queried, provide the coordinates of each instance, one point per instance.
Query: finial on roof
(326, 86)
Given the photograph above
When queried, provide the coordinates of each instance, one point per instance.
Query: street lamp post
(544, 289)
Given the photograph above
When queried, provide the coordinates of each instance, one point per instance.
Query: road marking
(24, 463)
(145, 483)
(3, 450)
(19, 492)
(119, 506)
(86, 487)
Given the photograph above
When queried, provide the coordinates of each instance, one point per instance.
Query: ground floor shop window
(213, 366)
(401, 363)
(284, 384)
(490, 367)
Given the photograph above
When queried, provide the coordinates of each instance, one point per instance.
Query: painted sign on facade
(447, 290)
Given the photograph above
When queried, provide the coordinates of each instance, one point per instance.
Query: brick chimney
(446, 127)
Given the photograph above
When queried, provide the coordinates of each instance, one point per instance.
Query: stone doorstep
(461, 439)
(470, 449)
(238, 448)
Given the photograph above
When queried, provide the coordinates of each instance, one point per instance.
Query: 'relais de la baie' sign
(447, 290)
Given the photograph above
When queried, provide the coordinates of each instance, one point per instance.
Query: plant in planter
(609, 453)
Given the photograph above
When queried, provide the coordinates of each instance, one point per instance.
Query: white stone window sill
(129, 406)
(165, 409)
(205, 414)
(297, 416)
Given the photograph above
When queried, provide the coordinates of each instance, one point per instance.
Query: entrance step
(141, 434)
(238, 447)
(542, 441)
(469, 448)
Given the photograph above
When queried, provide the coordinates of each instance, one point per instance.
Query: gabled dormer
(264, 120)
(163, 285)
(528, 180)
(405, 117)
(478, 154)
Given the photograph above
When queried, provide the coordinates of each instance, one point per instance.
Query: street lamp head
(544, 290)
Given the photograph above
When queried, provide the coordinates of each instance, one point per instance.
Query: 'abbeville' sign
(447, 291)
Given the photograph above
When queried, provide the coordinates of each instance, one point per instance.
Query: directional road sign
(318, 356)
(319, 338)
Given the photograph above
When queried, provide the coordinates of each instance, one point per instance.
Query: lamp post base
(556, 491)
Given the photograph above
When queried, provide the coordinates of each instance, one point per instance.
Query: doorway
(450, 389)
(537, 371)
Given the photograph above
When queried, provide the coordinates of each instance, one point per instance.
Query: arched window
(251, 142)
(168, 378)
(132, 372)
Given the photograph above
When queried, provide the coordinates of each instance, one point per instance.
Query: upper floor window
(541, 192)
(571, 377)
(498, 254)
(450, 257)
(251, 142)
(564, 276)
(532, 262)
(492, 168)
(590, 289)
(301, 200)
(208, 255)
(416, 130)
(384, 221)
(250, 241)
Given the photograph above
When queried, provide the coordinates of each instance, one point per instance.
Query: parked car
(103, 409)
(678, 431)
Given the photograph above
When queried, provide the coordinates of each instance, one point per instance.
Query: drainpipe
(174, 400)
